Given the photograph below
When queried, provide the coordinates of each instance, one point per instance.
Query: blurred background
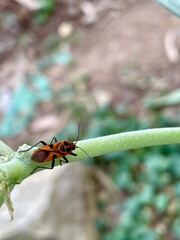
(109, 66)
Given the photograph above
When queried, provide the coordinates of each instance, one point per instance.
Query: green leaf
(172, 5)
(176, 228)
(161, 201)
(172, 98)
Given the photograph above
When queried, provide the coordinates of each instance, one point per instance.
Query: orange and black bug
(49, 152)
(56, 149)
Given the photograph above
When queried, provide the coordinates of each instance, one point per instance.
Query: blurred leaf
(42, 15)
(176, 228)
(144, 233)
(161, 201)
(100, 224)
(57, 58)
(170, 99)
(177, 189)
(172, 5)
(124, 180)
(146, 194)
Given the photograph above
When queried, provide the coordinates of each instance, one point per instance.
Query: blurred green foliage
(42, 15)
(147, 179)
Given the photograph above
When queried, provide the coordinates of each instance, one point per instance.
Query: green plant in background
(147, 179)
(43, 14)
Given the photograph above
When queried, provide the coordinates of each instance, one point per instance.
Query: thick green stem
(19, 165)
(129, 140)
(14, 166)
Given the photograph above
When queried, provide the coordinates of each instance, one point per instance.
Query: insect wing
(40, 155)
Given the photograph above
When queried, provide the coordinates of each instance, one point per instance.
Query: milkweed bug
(56, 149)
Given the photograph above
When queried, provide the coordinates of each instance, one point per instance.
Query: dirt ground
(122, 51)
(135, 35)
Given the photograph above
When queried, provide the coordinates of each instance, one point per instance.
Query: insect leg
(53, 140)
(74, 154)
(42, 142)
(51, 167)
(63, 161)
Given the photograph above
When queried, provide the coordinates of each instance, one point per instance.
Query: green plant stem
(129, 140)
(19, 165)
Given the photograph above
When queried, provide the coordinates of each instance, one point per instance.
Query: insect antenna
(90, 158)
